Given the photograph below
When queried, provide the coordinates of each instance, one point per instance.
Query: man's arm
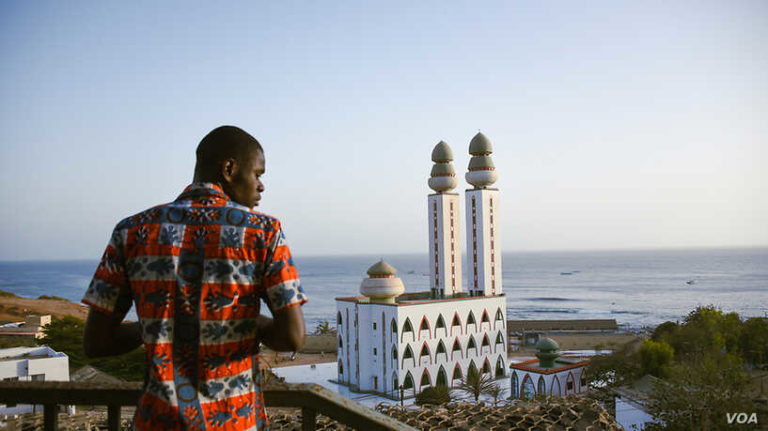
(285, 332)
(106, 336)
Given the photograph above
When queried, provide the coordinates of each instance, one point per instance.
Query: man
(197, 269)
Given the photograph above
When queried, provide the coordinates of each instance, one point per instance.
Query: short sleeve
(109, 291)
(282, 286)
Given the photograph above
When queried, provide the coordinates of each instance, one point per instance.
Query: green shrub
(435, 395)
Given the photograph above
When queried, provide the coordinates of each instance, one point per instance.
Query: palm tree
(477, 383)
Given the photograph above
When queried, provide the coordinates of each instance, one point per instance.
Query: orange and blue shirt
(196, 270)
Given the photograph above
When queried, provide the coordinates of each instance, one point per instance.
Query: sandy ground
(15, 309)
(277, 360)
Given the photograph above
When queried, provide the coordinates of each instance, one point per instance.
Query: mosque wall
(483, 241)
(444, 243)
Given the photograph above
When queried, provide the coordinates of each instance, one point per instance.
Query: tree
(66, 335)
(435, 395)
(324, 328)
(753, 342)
(656, 357)
(495, 391)
(700, 395)
(476, 383)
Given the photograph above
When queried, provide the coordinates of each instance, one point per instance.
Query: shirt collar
(197, 191)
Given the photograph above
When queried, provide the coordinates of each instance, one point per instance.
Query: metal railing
(311, 398)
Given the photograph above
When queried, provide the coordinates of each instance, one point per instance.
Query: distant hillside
(14, 308)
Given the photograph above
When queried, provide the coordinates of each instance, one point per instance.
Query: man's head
(233, 159)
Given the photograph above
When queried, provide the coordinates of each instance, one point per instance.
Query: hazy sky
(614, 124)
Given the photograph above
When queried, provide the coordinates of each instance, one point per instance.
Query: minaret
(482, 203)
(444, 233)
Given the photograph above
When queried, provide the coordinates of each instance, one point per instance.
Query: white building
(388, 339)
(31, 364)
(549, 375)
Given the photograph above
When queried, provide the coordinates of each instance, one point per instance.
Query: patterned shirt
(197, 269)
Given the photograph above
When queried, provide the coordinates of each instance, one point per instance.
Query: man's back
(197, 269)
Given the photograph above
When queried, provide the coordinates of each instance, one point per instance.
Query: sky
(615, 124)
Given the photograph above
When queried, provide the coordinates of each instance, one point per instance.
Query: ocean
(637, 288)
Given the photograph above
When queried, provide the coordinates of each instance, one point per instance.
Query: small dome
(443, 183)
(381, 268)
(547, 344)
(442, 153)
(480, 145)
(481, 163)
(442, 170)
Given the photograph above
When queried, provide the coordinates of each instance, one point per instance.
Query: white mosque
(388, 338)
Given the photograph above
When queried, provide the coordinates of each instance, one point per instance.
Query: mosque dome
(482, 172)
(546, 351)
(442, 153)
(480, 145)
(381, 284)
(443, 176)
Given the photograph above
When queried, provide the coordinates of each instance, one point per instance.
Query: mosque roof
(442, 153)
(381, 268)
(480, 145)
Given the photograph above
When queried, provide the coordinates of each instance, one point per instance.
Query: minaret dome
(381, 284)
(443, 177)
(482, 172)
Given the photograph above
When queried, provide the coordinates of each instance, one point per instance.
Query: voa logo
(741, 418)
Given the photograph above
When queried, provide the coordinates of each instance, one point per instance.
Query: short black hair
(219, 144)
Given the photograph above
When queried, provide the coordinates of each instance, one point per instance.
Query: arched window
(407, 327)
(486, 367)
(338, 318)
(440, 348)
(486, 341)
(341, 343)
(499, 338)
(341, 367)
(457, 374)
(456, 348)
(472, 369)
(425, 380)
(471, 344)
(471, 319)
(408, 354)
(541, 387)
(569, 385)
(499, 367)
(485, 318)
(394, 327)
(515, 385)
(408, 383)
(456, 320)
(528, 390)
(442, 379)
(425, 352)
(440, 324)
(499, 315)
(424, 326)
(555, 388)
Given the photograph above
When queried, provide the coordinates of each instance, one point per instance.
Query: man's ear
(228, 169)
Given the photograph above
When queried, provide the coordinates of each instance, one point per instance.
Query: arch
(541, 386)
(499, 316)
(500, 367)
(341, 343)
(499, 338)
(395, 382)
(471, 321)
(424, 326)
(554, 388)
(487, 366)
(485, 343)
(340, 368)
(425, 351)
(472, 367)
(442, 379)
(408, 381)
(471, 345)
(441, 349)
(338, 318)
(570, 384)
(426, 379)
(484, 318)
(456, 348)
(394, 357)
(527, 390)
(407, 327)
(394, 326)
(456, 321)
(457, 375)
(408, 354)
(440, 323)
(515, 385)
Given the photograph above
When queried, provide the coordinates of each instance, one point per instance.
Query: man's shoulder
(180, 212)
(149, 215)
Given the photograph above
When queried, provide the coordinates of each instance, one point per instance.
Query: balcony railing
(311, 398)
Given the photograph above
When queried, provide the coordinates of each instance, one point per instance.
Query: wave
(551, 298)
